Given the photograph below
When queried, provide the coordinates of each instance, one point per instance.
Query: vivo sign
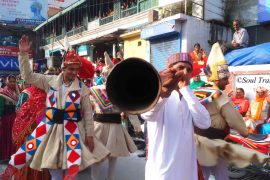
(9, 63)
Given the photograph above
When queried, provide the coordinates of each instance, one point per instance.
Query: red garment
(9, 93)
(200, 173)
(199, 63)
(241, 105)
(29, 115)
(198, 60)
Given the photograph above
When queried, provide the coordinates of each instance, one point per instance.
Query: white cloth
(171, 148)
(241, 37)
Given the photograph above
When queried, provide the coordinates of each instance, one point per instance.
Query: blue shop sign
(9, 63)
(162, 29)
(83, 50)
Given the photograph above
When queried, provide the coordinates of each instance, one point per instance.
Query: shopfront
(165, 40)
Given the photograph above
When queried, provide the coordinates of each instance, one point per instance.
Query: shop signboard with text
(249, 82)
(9, 58)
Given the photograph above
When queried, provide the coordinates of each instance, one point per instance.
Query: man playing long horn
(64, 139)
(171, 147)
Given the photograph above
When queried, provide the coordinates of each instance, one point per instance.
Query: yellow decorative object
(215, 59)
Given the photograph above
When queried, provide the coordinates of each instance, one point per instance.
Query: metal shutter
(162, 48)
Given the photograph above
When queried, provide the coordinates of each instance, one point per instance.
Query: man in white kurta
(171, 148)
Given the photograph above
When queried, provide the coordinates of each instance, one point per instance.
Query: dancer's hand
(183, 78)
(168, 82)
(25, 45)
(89, 141)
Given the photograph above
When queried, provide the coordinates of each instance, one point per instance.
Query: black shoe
(142, 155)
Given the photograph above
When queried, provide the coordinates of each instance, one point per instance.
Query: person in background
(8, 99)
(241, 104)
(258, 110)
(100, 64)
(197, 82)
(198, 56)
(240, 38)
(98, 79)
(108, 126)
(214, 154)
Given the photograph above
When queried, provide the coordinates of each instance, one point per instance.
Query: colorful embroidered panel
(71, 131)
(206, 94)
(101, 97)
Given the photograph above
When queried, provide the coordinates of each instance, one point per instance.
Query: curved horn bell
(133, 86)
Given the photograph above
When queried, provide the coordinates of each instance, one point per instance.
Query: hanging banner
(249, 82)
(9, 51)
(25, 12)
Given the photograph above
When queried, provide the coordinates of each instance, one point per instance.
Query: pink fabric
(8, 92)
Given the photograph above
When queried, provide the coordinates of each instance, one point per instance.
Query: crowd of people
(128, 4)
(107, 13)
(59, 123)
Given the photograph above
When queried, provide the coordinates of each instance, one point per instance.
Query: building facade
(108, 26)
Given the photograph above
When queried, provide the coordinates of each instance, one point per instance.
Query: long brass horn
(133, 86)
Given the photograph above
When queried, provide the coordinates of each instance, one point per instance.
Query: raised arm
(38, 80)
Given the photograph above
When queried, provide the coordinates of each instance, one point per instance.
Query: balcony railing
(142, 5)
(146, 4)
(75, 31)
(106, 20)
(129, 12)
(72, 32)
(49, 40)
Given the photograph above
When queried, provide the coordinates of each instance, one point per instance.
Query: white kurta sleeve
(153, 114)
(200, 115)
(36, 79)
